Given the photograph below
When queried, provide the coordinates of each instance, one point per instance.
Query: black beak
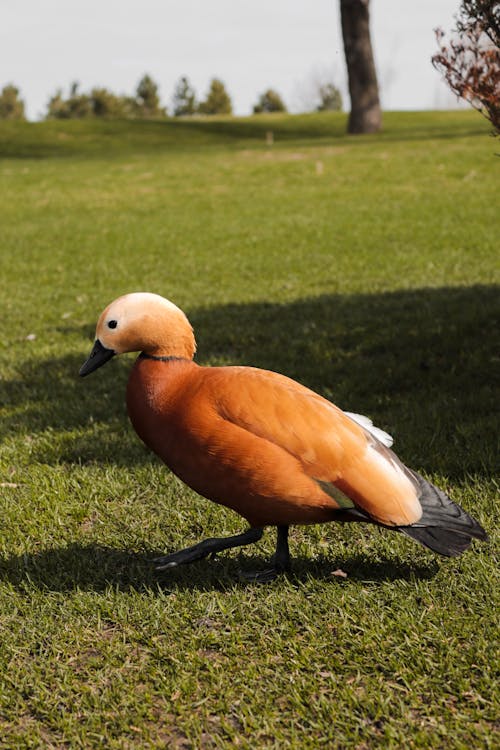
(97, 357)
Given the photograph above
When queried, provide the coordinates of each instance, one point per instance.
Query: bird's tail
(444, 526)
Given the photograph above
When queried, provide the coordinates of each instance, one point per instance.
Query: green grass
(367, 268)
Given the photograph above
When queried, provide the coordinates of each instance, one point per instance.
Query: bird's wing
(333, 448)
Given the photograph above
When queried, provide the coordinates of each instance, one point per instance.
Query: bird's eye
(112, 324)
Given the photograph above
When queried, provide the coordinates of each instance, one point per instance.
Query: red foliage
(470, 62)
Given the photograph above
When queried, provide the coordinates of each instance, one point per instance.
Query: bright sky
(251, 46)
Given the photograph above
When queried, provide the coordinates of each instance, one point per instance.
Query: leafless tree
(470, 60)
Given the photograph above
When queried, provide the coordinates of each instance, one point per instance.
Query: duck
(262, 444)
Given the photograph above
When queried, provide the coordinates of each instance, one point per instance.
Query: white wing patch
(368, 425)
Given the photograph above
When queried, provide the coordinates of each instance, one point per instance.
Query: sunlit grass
(367, 269)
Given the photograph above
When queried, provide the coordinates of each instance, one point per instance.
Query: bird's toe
(260, 576)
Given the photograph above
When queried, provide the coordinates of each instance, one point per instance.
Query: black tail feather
(444, 526)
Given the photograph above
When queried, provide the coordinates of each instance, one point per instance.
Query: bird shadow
(419, 362)
(94, 567)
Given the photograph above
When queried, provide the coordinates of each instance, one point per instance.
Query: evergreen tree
(148, 99)
(218, 101)
(184, 99)
(269, 101)
(11, 106)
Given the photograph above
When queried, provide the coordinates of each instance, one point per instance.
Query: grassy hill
(365, 267)
(100, 137)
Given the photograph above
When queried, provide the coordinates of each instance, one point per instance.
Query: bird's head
(140, 322)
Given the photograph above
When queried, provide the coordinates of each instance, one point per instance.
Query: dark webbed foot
(205, 548)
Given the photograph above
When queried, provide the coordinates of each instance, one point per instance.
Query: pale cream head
(146, 322)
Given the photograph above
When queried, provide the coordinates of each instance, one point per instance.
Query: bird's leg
(280, 561)
(207, 547)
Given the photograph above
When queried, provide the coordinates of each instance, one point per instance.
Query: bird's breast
(155, 393)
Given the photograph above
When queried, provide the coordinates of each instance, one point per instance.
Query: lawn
(364, 267)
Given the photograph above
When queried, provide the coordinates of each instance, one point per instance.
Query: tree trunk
(365, 116)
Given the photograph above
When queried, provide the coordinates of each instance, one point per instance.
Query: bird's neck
(176, 343)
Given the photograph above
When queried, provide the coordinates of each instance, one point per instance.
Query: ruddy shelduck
(260, 443)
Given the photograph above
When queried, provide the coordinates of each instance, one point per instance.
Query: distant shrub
(269, 101)
(76, 106)
(106, 104)
(11, 105)
(330, 98)
(101, 102)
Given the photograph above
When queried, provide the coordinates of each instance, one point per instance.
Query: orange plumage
(258, 442)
